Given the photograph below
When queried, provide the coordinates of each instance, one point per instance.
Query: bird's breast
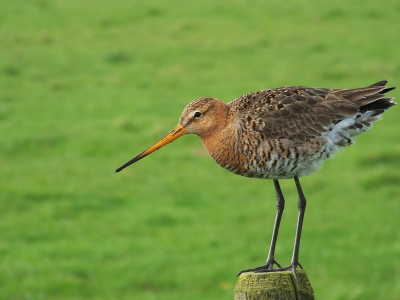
(252, 155)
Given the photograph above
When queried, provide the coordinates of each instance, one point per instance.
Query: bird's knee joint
(301, 204)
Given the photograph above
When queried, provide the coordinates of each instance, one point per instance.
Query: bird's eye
(197, 114)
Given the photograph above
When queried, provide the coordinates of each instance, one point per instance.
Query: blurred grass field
(86, 85)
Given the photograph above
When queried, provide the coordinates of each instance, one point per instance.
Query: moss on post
(274, 285)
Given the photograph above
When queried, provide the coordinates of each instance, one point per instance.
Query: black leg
(302, 209)
(280, 205)
(295, 258)
(301, 204)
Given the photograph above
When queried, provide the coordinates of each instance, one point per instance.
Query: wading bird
(277, 134)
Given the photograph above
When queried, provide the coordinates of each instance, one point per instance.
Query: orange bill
(171, 136)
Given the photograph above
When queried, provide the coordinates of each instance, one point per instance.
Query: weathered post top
(273, 285)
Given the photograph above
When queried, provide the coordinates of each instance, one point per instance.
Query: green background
(86, 85)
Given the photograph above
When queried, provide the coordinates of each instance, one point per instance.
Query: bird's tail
(372, 102)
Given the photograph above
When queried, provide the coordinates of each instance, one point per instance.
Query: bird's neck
(219, 142)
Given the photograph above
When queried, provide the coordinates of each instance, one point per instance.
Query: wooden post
(273, 285)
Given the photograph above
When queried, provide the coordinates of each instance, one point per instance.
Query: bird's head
(200, 117)
(203, 115)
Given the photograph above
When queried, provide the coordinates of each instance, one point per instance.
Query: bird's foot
(271, 262)
(268, 267)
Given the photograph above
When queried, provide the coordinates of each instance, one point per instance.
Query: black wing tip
(380, 83)
(387, 90)
(383, 83)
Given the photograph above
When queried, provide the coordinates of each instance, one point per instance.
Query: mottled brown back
(301, 113)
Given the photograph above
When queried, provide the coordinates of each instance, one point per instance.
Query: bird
(279, 133)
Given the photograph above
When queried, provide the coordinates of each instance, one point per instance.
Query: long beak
(178, 131)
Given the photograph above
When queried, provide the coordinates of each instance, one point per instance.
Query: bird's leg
(295, 258)
(302, 208)
(280, 204)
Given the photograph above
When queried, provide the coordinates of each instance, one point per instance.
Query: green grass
(85, 85)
